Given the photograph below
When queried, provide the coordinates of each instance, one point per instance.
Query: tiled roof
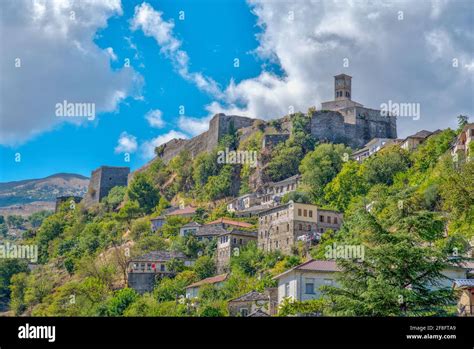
(313, 265)
(258, 313)
(159, 255)
(211, 280)
(230, 222)
(421, 134)
(182, 211)
(210, 230)
(251, 296)
(461, 283)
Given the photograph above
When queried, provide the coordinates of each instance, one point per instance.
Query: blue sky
(288, 53)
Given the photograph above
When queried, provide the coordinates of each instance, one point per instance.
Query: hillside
(42, 189)
(412, 212)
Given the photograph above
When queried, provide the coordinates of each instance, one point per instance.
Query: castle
(102, 180)
(339, 121)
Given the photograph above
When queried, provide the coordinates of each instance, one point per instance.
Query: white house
(302, 282)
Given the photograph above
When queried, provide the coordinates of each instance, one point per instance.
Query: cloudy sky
(158, 70)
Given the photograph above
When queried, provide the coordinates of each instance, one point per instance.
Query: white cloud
(153, 25)
(193, 126)
(155, 118)
(407, 60)
(59, 61)
(127, 143)
(148, 147)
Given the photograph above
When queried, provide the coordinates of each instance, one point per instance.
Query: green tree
(320, 166)
(284, 161)
(142, 191)
(115, 197)
(397, 273)
(8, 268)
(347, 185)
(382, 167)
(121, 300)
(204, 267)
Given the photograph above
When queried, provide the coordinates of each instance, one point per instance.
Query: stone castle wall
(102, 180)
(219, 125)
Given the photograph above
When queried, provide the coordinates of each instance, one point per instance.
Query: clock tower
(342, 87)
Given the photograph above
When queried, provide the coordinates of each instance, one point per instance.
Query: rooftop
(210, 230)
(159, 256)
(230, 222)
(313, 265)
(210, 281)
(258, 313)
(251, 296)
(191, 224)
(463, 283)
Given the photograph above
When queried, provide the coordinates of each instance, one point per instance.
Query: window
(309, 227)
(244, 312)
(299, 212)
(240, 241)
(287, 227)
(305, 213)
(235, 241)
(276, 244)
(309, 286)
(300, 227)
(310, 213)
(335, 220)
(287, 241)
(328, 281)
(321, 219)
(162, 267)
(329, 219)
(287, 289)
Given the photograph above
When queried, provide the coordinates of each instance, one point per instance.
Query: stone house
(371, 148)
(253, 301)
(465, 290)
(464, 142)
(282, 226)
(412, 142)
(145, 270)
(192, 291)
(243, 202)
(229, 243)
(209, 232)
(157, 223)
(303, 282)
(271, 193)
(190, 228)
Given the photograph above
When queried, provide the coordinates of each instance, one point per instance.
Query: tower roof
(342, 75)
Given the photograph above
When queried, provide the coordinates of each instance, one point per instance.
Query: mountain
(43, 189)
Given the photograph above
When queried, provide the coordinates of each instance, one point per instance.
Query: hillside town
(270, 215)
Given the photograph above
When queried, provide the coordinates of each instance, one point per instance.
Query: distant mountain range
(43, 189)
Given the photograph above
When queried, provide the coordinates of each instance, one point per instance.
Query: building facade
(253, 301)
(145, 270)
(229, 244)
(303, 282)
(282, 226)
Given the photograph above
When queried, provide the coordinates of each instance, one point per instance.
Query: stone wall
(219, 125)
(102, 180)
(354, 126)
